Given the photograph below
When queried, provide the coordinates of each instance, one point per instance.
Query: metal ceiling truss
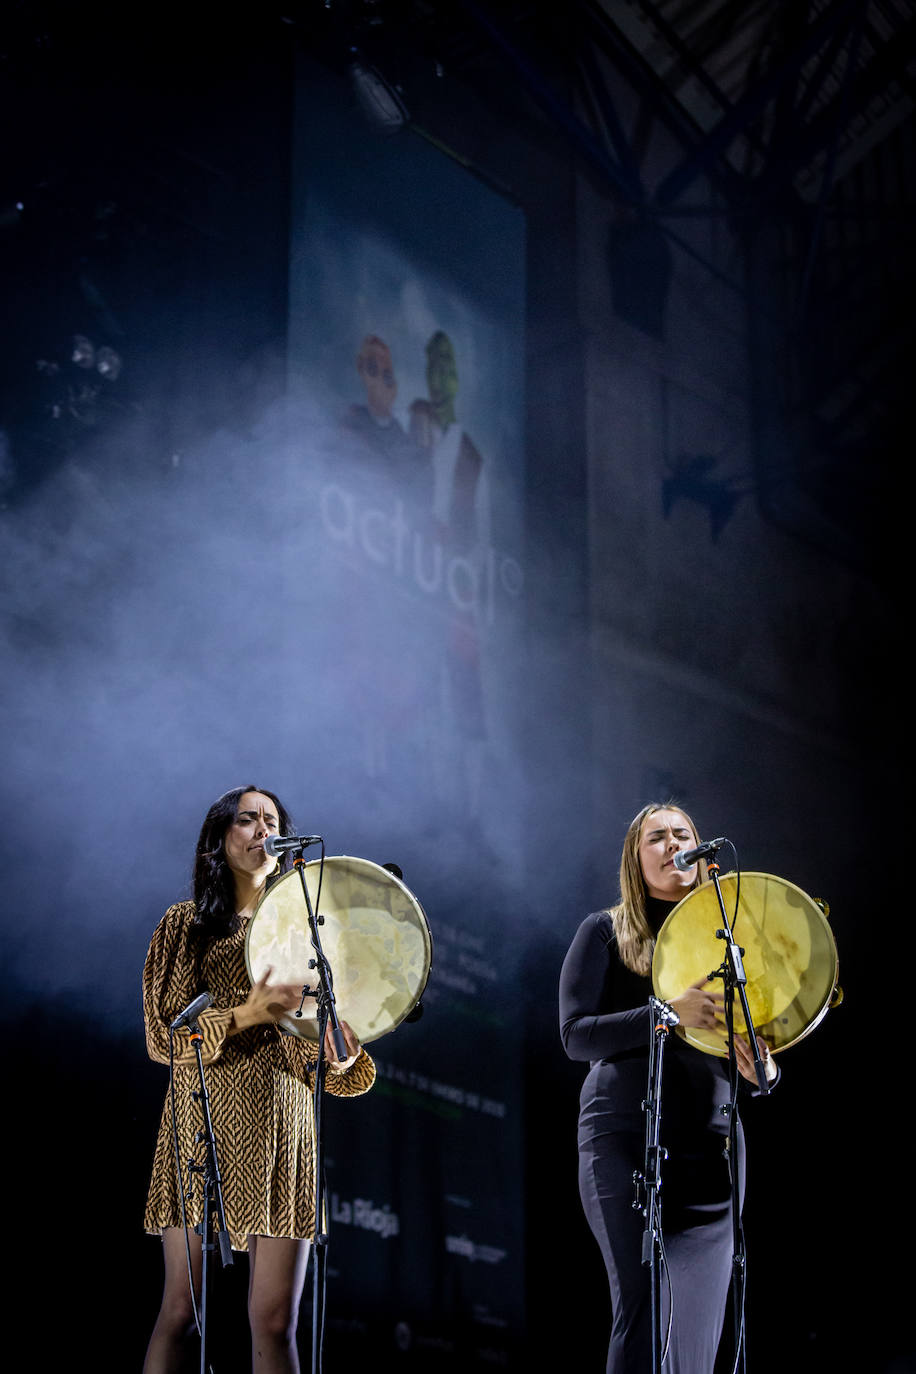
(771, 105)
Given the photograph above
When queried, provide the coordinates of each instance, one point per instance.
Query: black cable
(181, 1191)
(178, 1175)
(733, 1155)
(319, 1272)
(664, 1256)
(324, 1309)
(320, 879)
(740, 1341)
(737, 883)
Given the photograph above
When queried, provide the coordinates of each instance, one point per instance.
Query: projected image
(408, 365)
(438, 533)
(406, 477)
(374, 425)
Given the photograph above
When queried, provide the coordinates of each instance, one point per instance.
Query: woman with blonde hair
(605, 1020)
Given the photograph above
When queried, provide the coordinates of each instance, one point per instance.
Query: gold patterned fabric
(258, 1083)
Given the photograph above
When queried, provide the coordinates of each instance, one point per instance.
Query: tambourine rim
(730, 878)
(390, 878)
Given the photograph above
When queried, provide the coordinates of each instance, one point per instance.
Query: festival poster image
(405, 383)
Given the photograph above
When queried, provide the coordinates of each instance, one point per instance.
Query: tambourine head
(374, 935)
(790, 956)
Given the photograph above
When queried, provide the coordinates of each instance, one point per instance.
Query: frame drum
(790, 957)
(374, 936)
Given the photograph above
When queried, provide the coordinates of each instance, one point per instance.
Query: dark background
(151, 160)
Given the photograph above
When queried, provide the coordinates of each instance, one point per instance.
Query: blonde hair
(635, 940)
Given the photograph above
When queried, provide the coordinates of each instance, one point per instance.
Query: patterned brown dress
(258, 1084)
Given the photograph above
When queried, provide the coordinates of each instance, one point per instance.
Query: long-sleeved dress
(257, 1082)
(604, 1019)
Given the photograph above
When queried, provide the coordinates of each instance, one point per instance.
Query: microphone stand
(327, 1011)
(320, 1244)
(735, 979)
(213, 1202)
(649, 1182)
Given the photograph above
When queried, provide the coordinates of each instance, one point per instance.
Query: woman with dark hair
(257, 1081)
(604, 1019)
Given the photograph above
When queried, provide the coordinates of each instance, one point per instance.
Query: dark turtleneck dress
(604, 1019)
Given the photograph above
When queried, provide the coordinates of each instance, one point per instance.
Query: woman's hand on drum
(330, 1050)
(746, 1059)
(705, 1010)
(700, 1007)
(266, 1003)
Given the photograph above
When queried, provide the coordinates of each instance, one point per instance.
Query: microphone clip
(664, 1014)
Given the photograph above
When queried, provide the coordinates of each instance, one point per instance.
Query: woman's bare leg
(175, 1323)
(275, 1288)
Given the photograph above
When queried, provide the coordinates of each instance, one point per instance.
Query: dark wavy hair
(213, 885)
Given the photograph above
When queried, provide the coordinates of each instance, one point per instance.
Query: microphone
(686, 858)
(281, 844)
(191, 1011)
